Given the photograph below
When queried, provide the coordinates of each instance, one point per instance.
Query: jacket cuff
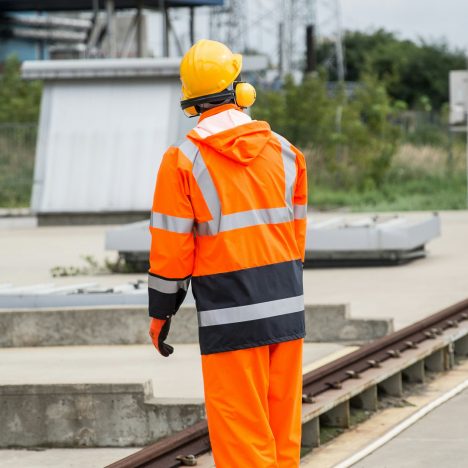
(165, 295)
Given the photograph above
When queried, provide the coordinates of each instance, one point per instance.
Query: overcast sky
(413, 19)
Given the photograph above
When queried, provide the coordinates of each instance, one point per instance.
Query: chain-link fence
(17, 148)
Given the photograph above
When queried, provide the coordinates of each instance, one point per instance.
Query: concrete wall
(129, 325)
(90, 415)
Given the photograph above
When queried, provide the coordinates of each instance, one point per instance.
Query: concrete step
(129, 325)
(106, 396)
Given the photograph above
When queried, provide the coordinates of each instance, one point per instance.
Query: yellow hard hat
(209, 67)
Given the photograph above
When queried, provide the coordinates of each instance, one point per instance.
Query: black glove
(159, 329)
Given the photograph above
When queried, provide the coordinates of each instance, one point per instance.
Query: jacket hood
(240, 143)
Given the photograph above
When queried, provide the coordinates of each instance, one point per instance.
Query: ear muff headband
(242, 93)
(193, 102)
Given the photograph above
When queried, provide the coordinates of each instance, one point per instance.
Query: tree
(350, 142)
(411, 71)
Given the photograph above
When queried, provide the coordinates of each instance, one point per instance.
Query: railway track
(329, 392)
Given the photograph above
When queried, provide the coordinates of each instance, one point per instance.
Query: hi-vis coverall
(229, 214)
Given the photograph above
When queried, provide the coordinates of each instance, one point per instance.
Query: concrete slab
(407, 293)
(116, 325)
(63, 458)
(103, 396)
(439, 439)
(176, 377)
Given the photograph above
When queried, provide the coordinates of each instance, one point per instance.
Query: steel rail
(368, 356)
(195, 439)
(163, 454)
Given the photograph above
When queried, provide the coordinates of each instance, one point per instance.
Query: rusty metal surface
(368, 356)
(191, 441)
(195, 440)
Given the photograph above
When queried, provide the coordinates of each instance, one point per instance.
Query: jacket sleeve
(172, 240)
(300, 202)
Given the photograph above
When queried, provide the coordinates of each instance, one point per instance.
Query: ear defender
(191, 111)
(245, 94)
(242, 93)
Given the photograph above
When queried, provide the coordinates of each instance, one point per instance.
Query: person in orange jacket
(229, 215)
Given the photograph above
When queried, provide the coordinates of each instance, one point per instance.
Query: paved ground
(119, 364)
(114, 364)
(62, 458)
(437, 440)
(407, 292)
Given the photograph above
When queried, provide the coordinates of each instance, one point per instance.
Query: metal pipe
(110, 9)
(139, 30)
(311, 55)
(165, 28)
(49, 34)
(280, 50)
(192, 25)
(47, 22)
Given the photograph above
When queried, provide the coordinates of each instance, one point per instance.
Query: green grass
(423, 193)
(419, 179)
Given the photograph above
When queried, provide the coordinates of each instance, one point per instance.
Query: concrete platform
(407, 293)
(178, 376)
(129, 325)
(100, 396)
(437, 440)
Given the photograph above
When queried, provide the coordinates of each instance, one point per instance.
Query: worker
(229, 215)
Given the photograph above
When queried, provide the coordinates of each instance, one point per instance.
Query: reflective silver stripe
(289, 163)
(249, 218)
(189, 149)
(207, 318)
(167, 286)
(300, 211)
(210, 194)
(219, 222)
(171, 223)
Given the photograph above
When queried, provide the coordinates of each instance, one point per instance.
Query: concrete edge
(127, 325)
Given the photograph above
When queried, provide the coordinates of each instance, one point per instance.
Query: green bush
(350, 141)
(17, 146)
(19, 99)
(19, 112)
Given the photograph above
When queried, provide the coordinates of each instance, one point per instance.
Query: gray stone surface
(103, 395)
(129, 325)
(90, 415)
(333, 323)
(178, 376)
(437, 440)
(406, 293)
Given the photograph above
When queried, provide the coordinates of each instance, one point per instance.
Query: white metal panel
(119, 68)
(334, 235)
(104, 127)
(103, 142)
(458, 92)
(134, 237)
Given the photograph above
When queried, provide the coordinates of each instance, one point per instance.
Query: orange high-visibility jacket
(229, 213)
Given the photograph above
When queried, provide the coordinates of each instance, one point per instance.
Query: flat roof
(118, 68)
(80, 5)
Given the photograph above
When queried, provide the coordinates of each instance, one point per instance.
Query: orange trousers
(253, 403)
